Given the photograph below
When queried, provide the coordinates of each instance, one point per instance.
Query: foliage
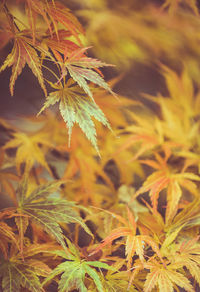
(111, 204)
(74, 270)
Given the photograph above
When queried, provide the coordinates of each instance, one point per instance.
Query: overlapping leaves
(134, 243)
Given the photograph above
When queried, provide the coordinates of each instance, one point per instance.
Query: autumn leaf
(165, 178)
(134, 243)
(174, 194)
(165, 279)
(45, 211)
(17, 273)
(187, 255)
(74, 271)
(145, 133)
(115, 280)
(23, 53)
(59, 13)
(184, 256)
(53, 14)
(29, 149)
(75, 107)
(14, 276)
(59, 47)
(80, 69)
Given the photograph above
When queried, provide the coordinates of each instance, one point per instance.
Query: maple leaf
(165, 278)
(75, 107)
(17, 272)
(165, 178)
(145, 133)
(16, 275)
(45, 211)
(80, 69)
(134, 243)
(27, 43)
(29, 149)
(74, 271)
(184, 255)
(23, 53)
(187, 255)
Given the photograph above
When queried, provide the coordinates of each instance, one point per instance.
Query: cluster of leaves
(58, 41)
(128, 220)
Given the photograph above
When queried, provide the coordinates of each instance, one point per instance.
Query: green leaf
(76, 107)
(75, 270)
(49, 212)
(73, 276)
(93, 274)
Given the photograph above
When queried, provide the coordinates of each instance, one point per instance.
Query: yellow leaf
(29, 150)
